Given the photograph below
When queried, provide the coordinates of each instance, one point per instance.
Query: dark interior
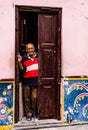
(28, 30)
(32, 28)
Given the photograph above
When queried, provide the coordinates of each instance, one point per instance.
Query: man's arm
(20, 61)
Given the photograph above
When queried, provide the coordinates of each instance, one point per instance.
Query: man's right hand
(19, 57)
(20, 61)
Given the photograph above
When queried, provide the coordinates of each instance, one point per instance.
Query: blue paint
(76, 99)
(6, 104)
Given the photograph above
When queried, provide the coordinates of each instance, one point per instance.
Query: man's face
(30, 49)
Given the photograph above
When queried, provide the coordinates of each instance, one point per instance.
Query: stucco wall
(74, 35)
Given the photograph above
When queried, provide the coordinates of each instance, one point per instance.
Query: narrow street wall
(74, 37)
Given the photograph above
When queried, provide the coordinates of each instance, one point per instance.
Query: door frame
(58, 11)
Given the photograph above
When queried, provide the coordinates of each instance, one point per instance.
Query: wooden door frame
(19, 9)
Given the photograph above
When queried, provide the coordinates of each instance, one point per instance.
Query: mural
(76, 99)
(6, 104)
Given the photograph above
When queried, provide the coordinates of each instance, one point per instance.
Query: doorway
(28, 23)
(41, 26)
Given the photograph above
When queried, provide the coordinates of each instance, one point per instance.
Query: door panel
(48, 62)
(23, 33)
(47, 65)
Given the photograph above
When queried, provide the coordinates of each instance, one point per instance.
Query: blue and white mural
(76, 99)
(6, 103)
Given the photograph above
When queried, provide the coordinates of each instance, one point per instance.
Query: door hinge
(24, 21)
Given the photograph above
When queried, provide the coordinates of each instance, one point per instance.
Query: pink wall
(74, 35)
(75, 38)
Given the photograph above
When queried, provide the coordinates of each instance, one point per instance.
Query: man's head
(30, 49)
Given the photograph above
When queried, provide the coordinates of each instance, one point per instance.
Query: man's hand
(20, 61)
(19, 57)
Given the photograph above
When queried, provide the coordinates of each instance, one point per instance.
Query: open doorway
(28, 30)
(28, 34)
(41, 26)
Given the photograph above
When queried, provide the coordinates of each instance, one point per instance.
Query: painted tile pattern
(6, 104)
(76, 99)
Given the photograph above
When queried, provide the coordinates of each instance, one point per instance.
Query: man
(29, 64)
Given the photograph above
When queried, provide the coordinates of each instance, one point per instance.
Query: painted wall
(6, 105)
(74, 35)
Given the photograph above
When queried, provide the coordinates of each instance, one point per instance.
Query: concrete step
(36, 124)
(42, 124)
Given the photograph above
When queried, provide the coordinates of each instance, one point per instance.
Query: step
(41, 124)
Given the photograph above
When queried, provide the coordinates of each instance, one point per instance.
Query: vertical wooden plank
(16, 65)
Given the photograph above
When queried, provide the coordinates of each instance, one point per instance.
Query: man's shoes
(29, 118)
(32, 118)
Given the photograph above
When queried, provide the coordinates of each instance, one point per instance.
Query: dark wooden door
(47, 89)
(48, 39)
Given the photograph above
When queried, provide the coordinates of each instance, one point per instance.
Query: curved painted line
(80, 95)
(77, 85)
(84, 109)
